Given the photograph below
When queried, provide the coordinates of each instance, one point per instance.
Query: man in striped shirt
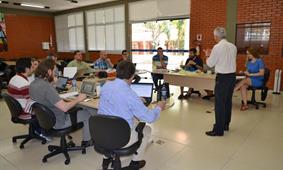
(18, 86)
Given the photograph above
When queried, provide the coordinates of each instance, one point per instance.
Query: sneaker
(188, 95)
(87, 143)
(48, 139)
(137, 164)
(181, 96)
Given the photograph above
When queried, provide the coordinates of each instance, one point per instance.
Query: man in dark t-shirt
(193, 63)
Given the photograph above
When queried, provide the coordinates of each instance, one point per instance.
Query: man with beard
(43, 92)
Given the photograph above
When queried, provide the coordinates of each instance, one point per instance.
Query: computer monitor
(143, 90)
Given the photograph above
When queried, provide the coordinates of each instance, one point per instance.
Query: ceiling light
(4, 2)
(32, 5)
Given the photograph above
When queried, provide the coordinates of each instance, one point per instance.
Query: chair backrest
(266, 76)
(44, 115)
(109, 132)
(13, 105)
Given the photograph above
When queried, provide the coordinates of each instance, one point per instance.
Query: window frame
(251, 42)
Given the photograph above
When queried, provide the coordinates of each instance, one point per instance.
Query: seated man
(130, 108)
(193, 63)
(54, 57)
(34, 65)
(125, 57)
(159, 61)
(103, 63)
(43, 92)
(18, 88)
(78, 62)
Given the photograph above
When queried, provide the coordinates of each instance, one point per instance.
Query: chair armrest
(139, 129)
(74, 110)
(73, 114)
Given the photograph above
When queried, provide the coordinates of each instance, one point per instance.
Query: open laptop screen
(143, 89)
(61, 82)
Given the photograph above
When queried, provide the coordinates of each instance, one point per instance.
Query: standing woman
(254, 75)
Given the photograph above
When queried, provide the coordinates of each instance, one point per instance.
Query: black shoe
(181, 96)
(106, 162)
(226, 127)
(87, 143)
(137, 164)
(188, 95)
(213, 133)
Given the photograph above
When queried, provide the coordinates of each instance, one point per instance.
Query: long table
(93, 102)
(197, 80)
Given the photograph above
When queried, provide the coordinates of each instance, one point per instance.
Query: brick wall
(207, 14)
(250, 11)
(25, 33)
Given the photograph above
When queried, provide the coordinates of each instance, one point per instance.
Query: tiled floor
(254, 142)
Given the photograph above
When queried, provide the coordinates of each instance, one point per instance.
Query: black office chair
(15, 110)
(264, 90)
(110, 135)
(47, 120)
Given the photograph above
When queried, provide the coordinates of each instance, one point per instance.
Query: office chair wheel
(70, 137)
(264, 105)
(43, 142)
(44, 160)
(71, 144)
(51, 148)
(22, 146)
(256, 107)
(84, 151)
(67, 161)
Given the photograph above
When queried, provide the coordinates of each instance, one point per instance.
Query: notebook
(143, 90)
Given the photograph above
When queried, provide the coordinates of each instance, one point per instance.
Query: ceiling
(55, 5)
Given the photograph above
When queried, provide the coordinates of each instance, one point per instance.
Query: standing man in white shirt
(223, 58)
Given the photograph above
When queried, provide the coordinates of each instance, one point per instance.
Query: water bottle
(163, 92)
(74, 85)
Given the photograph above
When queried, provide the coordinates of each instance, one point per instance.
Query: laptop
(89, 88)
(143, 90)
(61, 84)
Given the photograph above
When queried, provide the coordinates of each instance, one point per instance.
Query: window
(171, 35)
(62, 35)
(255, 35)
(106, 28)
(76, 31)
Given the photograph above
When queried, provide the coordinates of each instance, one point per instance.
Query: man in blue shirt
(159, 61)
(103, 63)
(118, 99)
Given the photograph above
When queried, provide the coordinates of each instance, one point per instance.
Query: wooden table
(10, 63)
(94, 102)
(197, 80)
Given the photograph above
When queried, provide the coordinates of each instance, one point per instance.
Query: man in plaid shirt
(103, 63)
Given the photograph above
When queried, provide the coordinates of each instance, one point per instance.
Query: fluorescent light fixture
(32, 5)
(4, 2)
